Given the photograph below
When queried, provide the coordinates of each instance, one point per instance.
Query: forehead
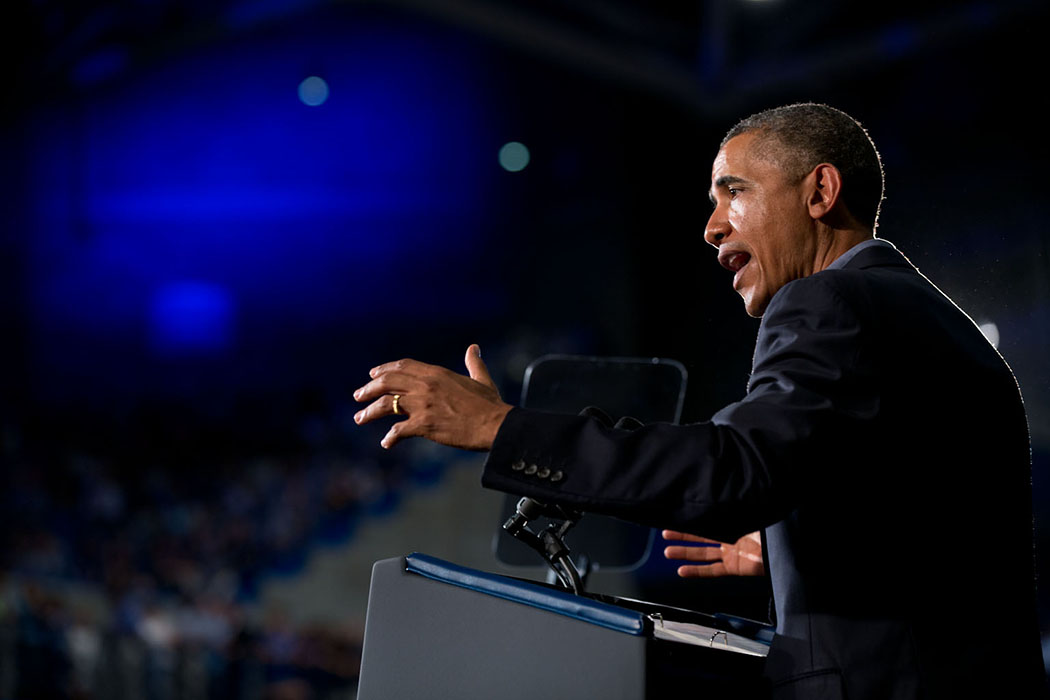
(736, 154)
(750, 157)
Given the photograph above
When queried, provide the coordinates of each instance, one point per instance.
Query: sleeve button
(518, 466)
(543, 473)
(530, 470)
(557, 476)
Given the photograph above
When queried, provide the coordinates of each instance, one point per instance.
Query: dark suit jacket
(883, 445)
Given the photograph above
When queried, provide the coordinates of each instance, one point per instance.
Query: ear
(825, 190)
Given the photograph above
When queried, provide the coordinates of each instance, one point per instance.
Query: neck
(836, 241)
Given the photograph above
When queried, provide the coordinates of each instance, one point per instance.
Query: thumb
(476, 368)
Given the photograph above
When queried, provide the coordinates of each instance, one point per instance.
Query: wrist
(494, 423)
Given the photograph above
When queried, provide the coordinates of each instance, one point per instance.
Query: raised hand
(742, 558)
(437, 404)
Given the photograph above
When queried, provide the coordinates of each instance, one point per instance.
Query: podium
(437, 630)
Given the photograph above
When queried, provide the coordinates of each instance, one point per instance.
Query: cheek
(752, 225)
(741, 220)
(752, 217)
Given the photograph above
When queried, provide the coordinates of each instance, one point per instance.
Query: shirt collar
(843, 260)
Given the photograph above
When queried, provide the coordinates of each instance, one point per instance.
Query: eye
(733, 192)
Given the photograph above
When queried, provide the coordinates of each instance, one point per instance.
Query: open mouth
(734, 260)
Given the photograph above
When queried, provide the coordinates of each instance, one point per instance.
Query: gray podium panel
(428, 639)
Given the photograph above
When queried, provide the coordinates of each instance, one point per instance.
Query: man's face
(760, 225)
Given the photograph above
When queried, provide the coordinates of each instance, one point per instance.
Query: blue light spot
(313, 91)
(514, 156)
(185, 219)
(191, 318)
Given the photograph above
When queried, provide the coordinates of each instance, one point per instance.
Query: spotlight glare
(313, 91)
(513, 156)
(991, 332)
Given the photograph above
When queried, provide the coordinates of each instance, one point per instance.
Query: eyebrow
(725, 181)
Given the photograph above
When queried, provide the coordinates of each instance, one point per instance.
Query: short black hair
(801, 136)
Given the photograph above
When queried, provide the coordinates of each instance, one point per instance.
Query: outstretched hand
(436, 403)
(742, 558)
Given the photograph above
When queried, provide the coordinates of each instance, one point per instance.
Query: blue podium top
(560, 602)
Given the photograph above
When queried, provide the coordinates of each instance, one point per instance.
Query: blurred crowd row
(135, 537)
(133, 549)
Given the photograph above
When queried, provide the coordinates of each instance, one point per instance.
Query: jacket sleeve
(756, 460)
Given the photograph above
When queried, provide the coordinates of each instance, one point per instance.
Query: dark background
(197, 268)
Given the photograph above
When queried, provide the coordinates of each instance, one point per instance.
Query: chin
(754, 307)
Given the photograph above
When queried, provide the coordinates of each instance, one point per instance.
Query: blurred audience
(135, 540)
(177, 520)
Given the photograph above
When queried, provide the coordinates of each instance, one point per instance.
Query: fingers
(476, 367)
(408, 376)
(405, 366)
(742, 558)
(379, 387)
(702, 553)
(400, 377)
(702, 571)
(389, 382)
(436, 403)
(709, 551)
(686, 537)
(383, 406)
(750, 556)
(398, 432)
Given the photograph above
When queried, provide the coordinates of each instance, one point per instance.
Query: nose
(717, 227)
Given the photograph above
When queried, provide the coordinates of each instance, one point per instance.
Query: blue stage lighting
(191, 318)
(313, 91)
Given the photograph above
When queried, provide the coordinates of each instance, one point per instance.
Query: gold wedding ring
(397, 408)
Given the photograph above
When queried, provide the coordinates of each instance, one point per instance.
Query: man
(882, 445)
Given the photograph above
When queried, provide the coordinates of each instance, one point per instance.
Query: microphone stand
(549, 542)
